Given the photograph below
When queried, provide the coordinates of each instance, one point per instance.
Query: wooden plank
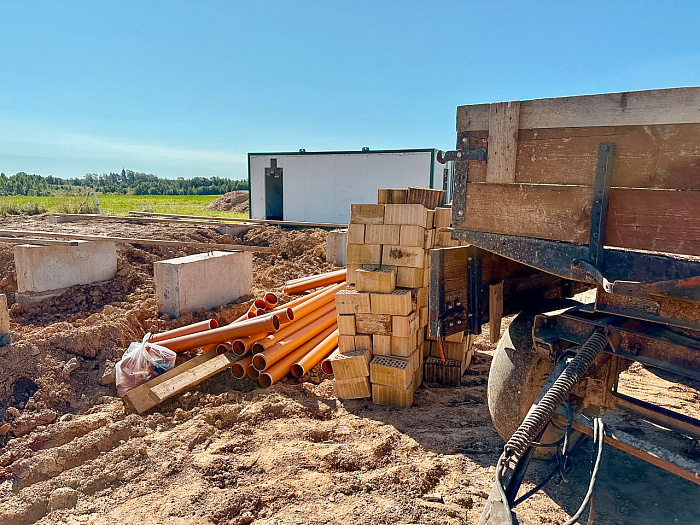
(204, 220)
(661, 156)
(237, 219)
(131, 240)
(142, 399)
(194, 376)
(495, 311)
(504, 120)
(656, 220)
(658, 106)
(42, 242)
(545, 212)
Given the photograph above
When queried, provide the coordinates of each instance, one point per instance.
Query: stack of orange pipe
(308, 283)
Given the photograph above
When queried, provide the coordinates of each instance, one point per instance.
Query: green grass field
(113, 205)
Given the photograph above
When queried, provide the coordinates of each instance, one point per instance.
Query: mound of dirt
(230, 453)
(232, 201)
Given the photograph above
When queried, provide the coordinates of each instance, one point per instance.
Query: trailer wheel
(518, 374)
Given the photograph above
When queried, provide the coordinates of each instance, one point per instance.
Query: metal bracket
(474, 290)
(461, 173)
(599, 210)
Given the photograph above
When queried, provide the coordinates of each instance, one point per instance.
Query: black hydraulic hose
(539, 416)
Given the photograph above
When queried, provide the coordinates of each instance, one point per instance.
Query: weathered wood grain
(658, 106)
(504, 119)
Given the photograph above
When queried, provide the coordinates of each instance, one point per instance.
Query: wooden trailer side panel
(541, 170)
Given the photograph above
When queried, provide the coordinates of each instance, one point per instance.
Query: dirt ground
(229, 452)
(231, 201)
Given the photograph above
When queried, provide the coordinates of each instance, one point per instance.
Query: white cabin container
(320, 186)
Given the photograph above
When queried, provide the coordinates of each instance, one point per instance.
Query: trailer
(554, 197)
(319, 186)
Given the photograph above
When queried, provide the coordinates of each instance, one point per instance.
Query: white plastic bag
(141, 362)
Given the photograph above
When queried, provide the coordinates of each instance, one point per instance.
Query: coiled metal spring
(539, 416)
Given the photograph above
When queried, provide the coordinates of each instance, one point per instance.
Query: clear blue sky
(188, 88)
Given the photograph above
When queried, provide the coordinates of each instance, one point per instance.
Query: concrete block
(43, 271)
(4, 321)
(235, 230)
(336, 247)
(204, 280)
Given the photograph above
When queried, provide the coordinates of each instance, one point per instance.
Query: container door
(273, 192)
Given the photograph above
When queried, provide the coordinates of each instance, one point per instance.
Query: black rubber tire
(518, 374)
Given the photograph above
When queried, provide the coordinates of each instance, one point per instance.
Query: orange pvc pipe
(271, 301)
(315, 355)
(242, 345)
(266, 323)
(224, 347)
(184, 330)
(326, 363)
(252, 373)
(327, 295)
(283, 347)
(310, 277)
(281, 368)
(315, 281)
(266, 342)
(239, 369)
(302, 299)
(260, 311)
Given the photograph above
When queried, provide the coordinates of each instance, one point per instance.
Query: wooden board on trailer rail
(540, 175)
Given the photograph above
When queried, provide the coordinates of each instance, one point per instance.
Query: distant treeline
(126, 182)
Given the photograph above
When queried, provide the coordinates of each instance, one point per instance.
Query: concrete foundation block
(4, 321)
(205, 280)
(46, 270)
(235, 230)
(336, 247)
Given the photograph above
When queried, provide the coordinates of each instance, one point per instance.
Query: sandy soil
(231, 201)
(232, 453)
